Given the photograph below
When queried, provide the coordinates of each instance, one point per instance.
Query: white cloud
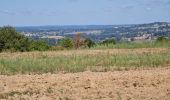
(7, 12)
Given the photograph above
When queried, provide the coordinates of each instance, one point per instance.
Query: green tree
(12, 40)
(66, 43)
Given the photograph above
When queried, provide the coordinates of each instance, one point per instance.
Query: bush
(66, 43)
(89, 42)
(38, 45)
(162, 39)
(108, 41)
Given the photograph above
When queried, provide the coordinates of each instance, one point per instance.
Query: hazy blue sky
(82, 12)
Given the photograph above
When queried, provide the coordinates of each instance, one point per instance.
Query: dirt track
(119, 85)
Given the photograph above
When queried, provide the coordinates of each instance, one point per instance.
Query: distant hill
(99, 32)
(86, 27)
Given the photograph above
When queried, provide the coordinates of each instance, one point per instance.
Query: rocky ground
(145, 84)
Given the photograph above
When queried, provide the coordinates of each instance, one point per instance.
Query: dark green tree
(12, 40)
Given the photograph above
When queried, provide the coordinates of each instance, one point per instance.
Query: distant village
(139, 32)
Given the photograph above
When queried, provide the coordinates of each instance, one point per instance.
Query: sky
(82, 12)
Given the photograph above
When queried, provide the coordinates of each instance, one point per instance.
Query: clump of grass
(6, 96)
(105, 61)
(49, 90)
(10, 94)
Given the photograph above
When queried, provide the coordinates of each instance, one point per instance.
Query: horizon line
(85, 24)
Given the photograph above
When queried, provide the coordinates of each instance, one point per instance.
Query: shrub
(38, 45)
(89, 42)
(162, 39)
(66, 43)
(108, 41)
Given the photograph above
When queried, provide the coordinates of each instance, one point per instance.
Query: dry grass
(38, 54)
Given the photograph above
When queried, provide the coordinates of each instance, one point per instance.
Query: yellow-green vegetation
(82, 60)
(133, 45)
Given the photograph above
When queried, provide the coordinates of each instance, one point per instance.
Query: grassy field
(83, 60)
(134, 45)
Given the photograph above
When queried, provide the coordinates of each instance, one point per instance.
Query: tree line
(11, 40)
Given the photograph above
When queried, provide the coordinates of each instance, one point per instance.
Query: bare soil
(146, 84)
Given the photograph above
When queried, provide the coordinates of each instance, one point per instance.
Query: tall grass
(133, 45)
(44, 63)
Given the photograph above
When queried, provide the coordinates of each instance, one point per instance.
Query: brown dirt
(118, 85)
